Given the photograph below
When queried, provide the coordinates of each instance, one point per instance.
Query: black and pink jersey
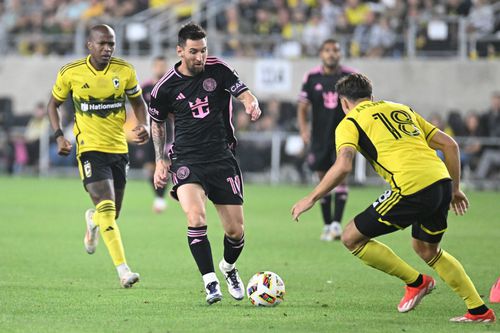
(202, 110)
(318, 89)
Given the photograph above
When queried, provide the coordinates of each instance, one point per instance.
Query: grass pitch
(49, 284)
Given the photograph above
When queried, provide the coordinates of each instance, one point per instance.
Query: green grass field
(49, 284)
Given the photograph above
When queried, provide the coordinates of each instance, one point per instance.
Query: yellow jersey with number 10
(394, 139)
(99, 100)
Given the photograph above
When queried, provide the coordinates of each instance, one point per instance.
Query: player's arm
(63, 145)
(303, 108)
(142, 129)
(449, 147)
(159, 135)
(251, 104)
(335, 175)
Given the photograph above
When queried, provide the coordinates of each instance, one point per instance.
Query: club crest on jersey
(183, 172)
(87, 169)
(209, 84)
(116, 82)
(200, 107)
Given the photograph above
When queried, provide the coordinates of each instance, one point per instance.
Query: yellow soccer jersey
(394, 139)
(99, 99)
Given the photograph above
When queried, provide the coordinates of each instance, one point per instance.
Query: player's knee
(351, 237)
(236, 231)
(426, 251)
(196, 218)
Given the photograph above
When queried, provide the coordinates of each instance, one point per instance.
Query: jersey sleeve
(304, 91)
(427, 128)
(232, 82)
(62, 87)
(133, 89)
(346, 134)
(159, 106)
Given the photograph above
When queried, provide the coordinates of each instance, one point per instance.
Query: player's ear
(179, 50)
(345, 105)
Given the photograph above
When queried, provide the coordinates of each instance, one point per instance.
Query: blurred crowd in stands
(292, 28)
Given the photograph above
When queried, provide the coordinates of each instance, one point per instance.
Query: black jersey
(318, 89)
(202, 110)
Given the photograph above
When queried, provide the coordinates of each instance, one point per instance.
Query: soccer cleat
(335, 230)
(487, 317)
(92, 234)
(326, 235)
(414, 295)
(495, 292)
(214, 294)
(159, 205)
(234, 284)
(128, 279)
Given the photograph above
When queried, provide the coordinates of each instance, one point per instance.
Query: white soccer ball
(266, 289)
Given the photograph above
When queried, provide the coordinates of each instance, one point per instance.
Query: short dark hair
(160, 58)
(190, 31)
(328, 41)
(354, 86)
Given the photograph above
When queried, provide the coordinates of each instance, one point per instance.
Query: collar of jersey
(93, 69)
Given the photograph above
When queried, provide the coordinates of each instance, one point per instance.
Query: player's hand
(300, 207)
(63, 146)
(253, 110)
(161, 174)
(141, 134)
(459, 203)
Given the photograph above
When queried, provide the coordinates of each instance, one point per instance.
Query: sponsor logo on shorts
(87, 169)
(183, 172)
(209, 84)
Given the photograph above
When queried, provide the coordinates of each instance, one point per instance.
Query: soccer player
(159, 68)
(98, 85)
(400, 146)
(319, 96)
(196, 94)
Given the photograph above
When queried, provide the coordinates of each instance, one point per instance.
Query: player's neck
(184, 70)
(96, 65)
(330, 69)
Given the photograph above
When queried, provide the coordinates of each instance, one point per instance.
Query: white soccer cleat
(335, 230)
(92, 234)
(326, 235)
(214, 294)
(128, 279)
(159, 205)
(234, 284)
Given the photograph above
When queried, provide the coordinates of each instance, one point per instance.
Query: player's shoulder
(120, 62)
(346, 70)
(216, 62)
(164, 83)
(67, 68)
(316, 71)
(398, 106)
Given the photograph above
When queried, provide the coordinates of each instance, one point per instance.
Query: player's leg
(192, 198)
(326, 212)
(159, 202)
(231, 217)
(340, 199)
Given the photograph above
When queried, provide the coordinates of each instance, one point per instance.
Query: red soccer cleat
(495, 292)
(414, 295)
(487, 317)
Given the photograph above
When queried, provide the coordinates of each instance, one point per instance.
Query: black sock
(159, 192)
(326, 208)
(417, 282)
(233, 248)
(479, 310)
(340, 200)
(200, 249)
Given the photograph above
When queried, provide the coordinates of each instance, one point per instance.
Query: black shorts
(426, 211)
(321, 159)
(221, 180)
(95, 166)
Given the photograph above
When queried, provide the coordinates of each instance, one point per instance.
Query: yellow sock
(451, 271)
(104, 217)
(381, 257)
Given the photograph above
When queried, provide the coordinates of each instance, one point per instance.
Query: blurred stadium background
(440, 57)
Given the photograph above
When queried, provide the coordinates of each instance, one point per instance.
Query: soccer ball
(266, 289)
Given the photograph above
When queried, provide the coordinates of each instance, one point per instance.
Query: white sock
(209, 277)
(226, 267)
(122, 269)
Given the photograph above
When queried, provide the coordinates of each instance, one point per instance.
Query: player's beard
(195, 70)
